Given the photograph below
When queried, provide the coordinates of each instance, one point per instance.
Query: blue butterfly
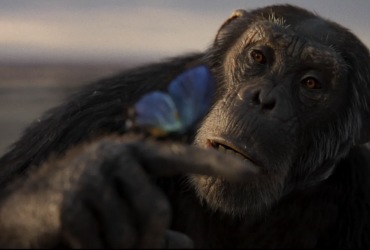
(188, 100)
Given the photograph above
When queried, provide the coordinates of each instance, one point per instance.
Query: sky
(119, 31)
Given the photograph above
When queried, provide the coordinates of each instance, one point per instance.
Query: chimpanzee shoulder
(94, 110)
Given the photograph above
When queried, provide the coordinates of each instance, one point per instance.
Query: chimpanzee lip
(225, 145)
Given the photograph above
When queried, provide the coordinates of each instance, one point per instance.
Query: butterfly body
(188, 99)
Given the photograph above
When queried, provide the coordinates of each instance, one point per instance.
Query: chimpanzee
(292, 98)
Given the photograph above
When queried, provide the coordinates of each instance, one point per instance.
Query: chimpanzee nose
(259, 96)
(263, 98)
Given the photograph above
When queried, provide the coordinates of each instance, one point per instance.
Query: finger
(96, 216)
(176, 240)
(100, 214)
(113, 214)
(150, 206)
(79, 228)
(175, 158)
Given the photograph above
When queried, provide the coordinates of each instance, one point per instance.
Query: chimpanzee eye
(258, 56)
(311, 83)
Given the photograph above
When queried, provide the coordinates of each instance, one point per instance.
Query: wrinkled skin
(266, 106)
(292, 102)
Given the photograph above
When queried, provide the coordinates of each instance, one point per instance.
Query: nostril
(266, 100)
(269, 105)
(256, 98)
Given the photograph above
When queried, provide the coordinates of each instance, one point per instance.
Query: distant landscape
(26, 91)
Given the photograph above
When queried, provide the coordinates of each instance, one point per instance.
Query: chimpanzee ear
(236, 14)
(364, 135)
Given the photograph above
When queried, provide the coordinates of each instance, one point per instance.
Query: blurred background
(48, 48)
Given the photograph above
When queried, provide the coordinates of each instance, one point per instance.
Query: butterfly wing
(192, 92)
(157, 112)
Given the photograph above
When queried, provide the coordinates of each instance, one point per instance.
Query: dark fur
(97, 109)
(315, 187)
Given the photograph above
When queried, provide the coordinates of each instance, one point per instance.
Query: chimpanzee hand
(101, 196)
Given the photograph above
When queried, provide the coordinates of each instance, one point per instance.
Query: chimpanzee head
(292, 97)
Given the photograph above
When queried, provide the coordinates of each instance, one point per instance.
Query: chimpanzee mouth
(229, 149)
